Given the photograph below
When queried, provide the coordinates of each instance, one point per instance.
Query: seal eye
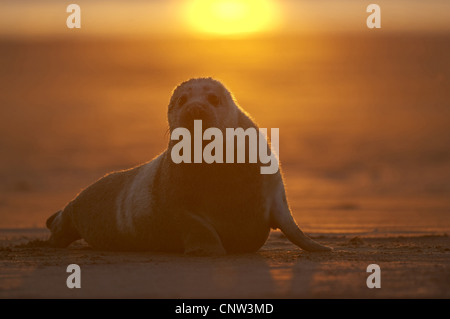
(182, 100)
(213, 99)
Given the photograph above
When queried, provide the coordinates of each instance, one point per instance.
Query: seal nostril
(195, 112)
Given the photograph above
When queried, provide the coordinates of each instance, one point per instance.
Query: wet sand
(411, 267)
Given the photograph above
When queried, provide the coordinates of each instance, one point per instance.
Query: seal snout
(195, 111)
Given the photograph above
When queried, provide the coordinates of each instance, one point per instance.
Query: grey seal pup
(195, 208)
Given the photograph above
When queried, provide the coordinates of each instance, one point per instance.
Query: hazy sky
(139, 17)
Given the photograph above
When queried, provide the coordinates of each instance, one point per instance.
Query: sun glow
(228, 17)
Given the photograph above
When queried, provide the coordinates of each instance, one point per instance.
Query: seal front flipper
(281, 217)
(199, 236)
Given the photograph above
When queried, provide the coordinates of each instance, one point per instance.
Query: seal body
(196, 208)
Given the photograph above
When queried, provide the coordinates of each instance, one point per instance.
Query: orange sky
(138, 17)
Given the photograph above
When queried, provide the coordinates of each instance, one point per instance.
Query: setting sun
(231, 16)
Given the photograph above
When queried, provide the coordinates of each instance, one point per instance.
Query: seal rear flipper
(63, 232)
(50, 220)
(199, 236)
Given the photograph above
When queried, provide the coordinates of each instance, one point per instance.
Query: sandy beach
(363, 147)
(411, 267)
